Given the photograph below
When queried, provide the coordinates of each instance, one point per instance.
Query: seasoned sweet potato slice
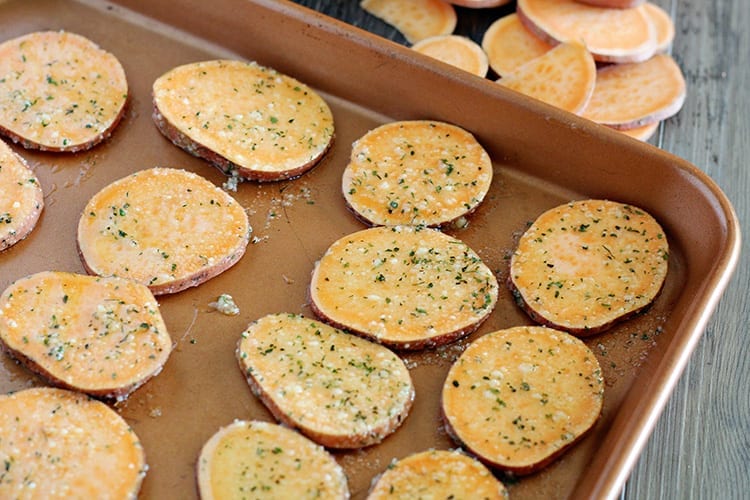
(21, 198)
(101, 336)
(416, 172)
(437, 474)
(518, 398)
(587, 264)
(59, 91)
(406, 287)
(611, 35)
(339, 390)
(260, 457)
(248, 120)
(166, 228)
(59, 444)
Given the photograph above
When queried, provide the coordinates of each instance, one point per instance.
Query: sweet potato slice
(417, 172)
(21, 198)
(518, 398)
(101, 336)
(509, 45)
(59, 91)
(611, 35)
(636, 94)
(415, 19)
(405, 287)
(59, 444)
(339, 390)
(663, 24)
(270, 460)
(437, 474)
(564, 77)
(166, 228)
(585, 265)
(248, 120)
(458, 51)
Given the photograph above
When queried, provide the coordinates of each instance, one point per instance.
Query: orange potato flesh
(457, 51)
(102, 336)
(518, 398)
(166, 228)
(437, 474)
(637, 94)
(259, 456)
(564, 77)
(509, 44)
(415, 19)
(59, 91)
(58, 444)
(584, 265)
(611, 35)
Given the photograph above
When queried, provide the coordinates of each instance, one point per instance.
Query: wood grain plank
(700, 446)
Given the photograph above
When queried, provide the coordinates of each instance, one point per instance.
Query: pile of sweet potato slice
(605, 60)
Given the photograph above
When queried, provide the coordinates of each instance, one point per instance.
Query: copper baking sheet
(541, 156)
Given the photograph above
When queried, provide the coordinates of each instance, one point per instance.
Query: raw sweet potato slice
(405, 287)
(270, 460)
(21, 198)
(518, 398)
(101, 336)
(339, 390)
(509, 44)
(59, 444)
(59, 91)
(437, 474)
(248, 120)
(416, 172)
(166, 228)
(613, 4)
(663, 24)
(564, 77)
(611, 35)
(636, 94)
(415, 19)
(585, 265)
(458, 51)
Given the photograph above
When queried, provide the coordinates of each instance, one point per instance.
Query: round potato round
(416, 173)
(405, 287)
(339, 390)
(166, 228)
(248, 120)
(585, 265)
(102, 336)
(260, 457)
(59, 444)
(437, 474)
(65, 93)
(518, 398)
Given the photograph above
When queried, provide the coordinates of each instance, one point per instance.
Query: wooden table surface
(700, 447)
